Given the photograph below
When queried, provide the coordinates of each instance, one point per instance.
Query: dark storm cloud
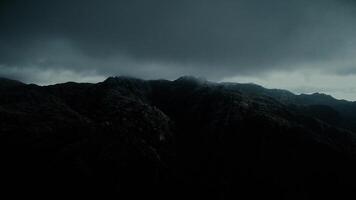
(165, 39)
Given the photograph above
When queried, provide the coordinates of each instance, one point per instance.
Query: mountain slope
(171, 139)
(340, 113)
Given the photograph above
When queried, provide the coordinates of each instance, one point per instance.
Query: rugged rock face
(172, 139)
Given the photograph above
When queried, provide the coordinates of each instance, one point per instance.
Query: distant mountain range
(175, 139)
(340, 113)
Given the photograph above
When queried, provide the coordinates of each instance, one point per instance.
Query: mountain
(174, 139)
(340, 113)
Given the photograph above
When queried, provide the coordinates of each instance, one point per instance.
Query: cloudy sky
(302, 45)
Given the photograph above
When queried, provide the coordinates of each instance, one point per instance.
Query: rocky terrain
(187, 138)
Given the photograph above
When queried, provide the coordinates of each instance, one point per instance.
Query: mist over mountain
(70, 129)
(135, 138)
(304, 46)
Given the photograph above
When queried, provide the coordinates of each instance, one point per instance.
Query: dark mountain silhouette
(175, 139)
(340, 113)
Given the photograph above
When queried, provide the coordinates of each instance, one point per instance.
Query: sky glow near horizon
(304, 46)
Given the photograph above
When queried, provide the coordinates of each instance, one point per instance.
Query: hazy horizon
(303, 46)
(233, 80)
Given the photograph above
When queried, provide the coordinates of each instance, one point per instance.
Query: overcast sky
(302, 45)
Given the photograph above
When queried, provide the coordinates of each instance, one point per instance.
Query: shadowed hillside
(175, 139)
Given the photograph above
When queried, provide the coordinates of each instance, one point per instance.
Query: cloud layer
(44, 41)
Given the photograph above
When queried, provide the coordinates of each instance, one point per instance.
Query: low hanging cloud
(306, 81)
(45, 41)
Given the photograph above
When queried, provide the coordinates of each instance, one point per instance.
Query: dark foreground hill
(174, 139)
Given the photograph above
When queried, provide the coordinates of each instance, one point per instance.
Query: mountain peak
(191, 79)
(9, 82)
(114, 80)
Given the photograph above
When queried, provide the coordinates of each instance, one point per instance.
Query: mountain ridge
(196, 79)
(154, 138)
